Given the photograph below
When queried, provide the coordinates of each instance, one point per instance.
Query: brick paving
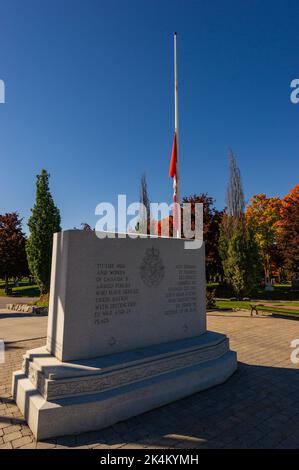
(258, 407)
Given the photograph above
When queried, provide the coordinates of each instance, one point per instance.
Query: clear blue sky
(89, 97)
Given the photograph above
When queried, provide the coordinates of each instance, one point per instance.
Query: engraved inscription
(182, 298)
(115, 295)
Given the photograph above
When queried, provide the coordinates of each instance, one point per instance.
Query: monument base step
(67, 398)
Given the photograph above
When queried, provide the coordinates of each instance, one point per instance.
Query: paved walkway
(15, 300)
(18, 326)
(256, 408)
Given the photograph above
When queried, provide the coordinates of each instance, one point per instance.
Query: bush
(210, 298)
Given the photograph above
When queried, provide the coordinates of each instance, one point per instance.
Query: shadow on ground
(20, 315)
(258, 407)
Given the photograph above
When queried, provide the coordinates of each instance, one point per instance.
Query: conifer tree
(43, 223)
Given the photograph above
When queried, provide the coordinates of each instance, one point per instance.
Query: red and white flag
(174, 162)
(173, 174)
(173, 166)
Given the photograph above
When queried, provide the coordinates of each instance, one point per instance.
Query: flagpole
(176, 125)
(176, 114)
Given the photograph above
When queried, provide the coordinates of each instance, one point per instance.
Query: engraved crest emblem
(112, 341)
(152, 268)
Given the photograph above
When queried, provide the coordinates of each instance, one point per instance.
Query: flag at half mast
(174, 161)
(173, 174)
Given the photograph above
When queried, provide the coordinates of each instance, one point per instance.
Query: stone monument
(126, 334)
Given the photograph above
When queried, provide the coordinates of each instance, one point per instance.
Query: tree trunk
(6, 284)
(267, 270)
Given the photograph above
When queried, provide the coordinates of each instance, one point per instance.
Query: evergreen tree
(240, 259)
(43, 223)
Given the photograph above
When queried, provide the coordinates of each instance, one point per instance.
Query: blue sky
(89, 97)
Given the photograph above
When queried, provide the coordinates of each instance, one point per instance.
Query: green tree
(240, 259)
(237, 245)
(12, 248)
(43, 223)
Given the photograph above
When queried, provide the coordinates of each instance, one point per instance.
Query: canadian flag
(173, 160)
(173, 174)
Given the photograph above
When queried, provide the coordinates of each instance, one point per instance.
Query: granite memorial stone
(126, 333)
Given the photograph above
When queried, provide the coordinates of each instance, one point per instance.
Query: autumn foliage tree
(263, 214)
(13, 261)
(211, 232)
(288, 233)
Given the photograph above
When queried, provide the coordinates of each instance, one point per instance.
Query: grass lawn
(43, 301)
(224, 304)
(281, 310)
(291, 302)
(23, 290)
